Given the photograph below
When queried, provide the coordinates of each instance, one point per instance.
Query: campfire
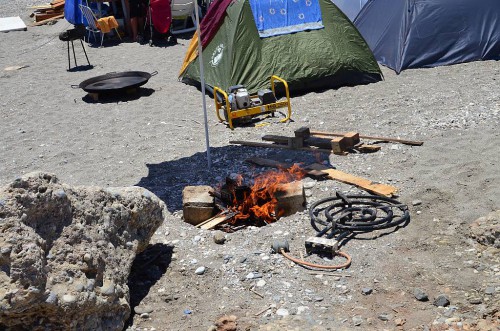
(257, 204)
(239, 203)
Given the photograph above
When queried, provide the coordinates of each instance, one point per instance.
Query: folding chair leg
(102, 38)
(118, 34)
(84, 51)
(74, 56)
(69, 60)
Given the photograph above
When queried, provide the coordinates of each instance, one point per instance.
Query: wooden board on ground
(366, 184)
(396, 140)
(212, 222)
(319, 170)
(47, 20)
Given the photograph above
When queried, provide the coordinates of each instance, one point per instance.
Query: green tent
(328, 57)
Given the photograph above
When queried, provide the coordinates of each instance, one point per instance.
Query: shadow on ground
(119, 96)
(148, 267)
(168, 179)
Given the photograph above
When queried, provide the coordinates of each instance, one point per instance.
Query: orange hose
(320, 266)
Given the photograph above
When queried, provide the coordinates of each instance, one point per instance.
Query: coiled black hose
(340, 216)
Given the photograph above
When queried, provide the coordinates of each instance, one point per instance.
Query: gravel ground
(156, 140)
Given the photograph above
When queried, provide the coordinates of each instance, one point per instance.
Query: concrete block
(197, 204)
(291, 198)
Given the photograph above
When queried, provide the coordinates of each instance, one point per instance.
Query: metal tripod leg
(74, 56)
(84, 51)
(69, 60)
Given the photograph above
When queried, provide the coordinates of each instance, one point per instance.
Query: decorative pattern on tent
(278, 17)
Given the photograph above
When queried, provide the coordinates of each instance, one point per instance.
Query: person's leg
(133, 25)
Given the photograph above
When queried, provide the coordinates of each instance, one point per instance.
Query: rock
(282, 312)
(226, 323)
(416, 202)
(357, 320)
(400, 321)
(143, 310)
(420, 295)
(384, 317)
(366, 290)
(60, 238)
(486, 230)
(441, 301)
(302, 309)
(475, 300)
(219, 237)
(145, 316)
(200, 270)
(261, 283)
(318, 299)
(68, 298)
(253, 275)
(489, 290)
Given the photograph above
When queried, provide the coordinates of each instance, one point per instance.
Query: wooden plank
(396, 140)
(47, 20)
(366, 184)
(277, 139)
(257, 144)
(365, 148)
(213, 222)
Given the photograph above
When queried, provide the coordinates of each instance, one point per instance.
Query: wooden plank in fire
(316, 169)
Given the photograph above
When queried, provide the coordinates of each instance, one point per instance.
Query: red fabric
(213, 20)
(161, 15)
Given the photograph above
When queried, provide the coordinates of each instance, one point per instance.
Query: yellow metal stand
(252, 111)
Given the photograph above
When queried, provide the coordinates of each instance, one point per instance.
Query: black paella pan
(115, 81)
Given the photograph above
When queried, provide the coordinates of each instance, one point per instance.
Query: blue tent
(428, 33)
(350, 8)
(72, 12)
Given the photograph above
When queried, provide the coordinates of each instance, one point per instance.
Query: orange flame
(261, 203)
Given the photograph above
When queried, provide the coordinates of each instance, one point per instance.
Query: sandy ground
(156, 140)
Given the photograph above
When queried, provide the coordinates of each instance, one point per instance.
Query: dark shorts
(135, 8)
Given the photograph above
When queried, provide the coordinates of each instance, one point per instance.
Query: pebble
(489, 290)
(68, 298)
(253, 275)
(475, 300)
(318, 299)
(145, 316)
(384, 317)
(261, 283)
(197, 238)
(243, 260)
(200, 270)
(420, 295)
(357, 320)
(219, 237)
(441, 301)
(265, 257)
(400, 321)
(416, 202)
(194, 261)
(282, 312)
(366, 290)
(308, 185)
(143, 310)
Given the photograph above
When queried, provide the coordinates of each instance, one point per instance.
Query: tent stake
(202, 80)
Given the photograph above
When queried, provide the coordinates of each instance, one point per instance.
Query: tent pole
(202, 81)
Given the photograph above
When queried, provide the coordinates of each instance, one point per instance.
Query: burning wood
(258, 204)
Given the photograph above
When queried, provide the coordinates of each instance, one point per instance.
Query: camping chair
(183, 10)
(92, 23)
